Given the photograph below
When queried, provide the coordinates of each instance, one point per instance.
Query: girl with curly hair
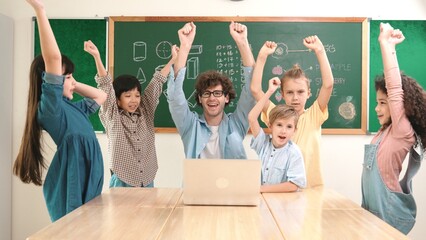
(401, 104)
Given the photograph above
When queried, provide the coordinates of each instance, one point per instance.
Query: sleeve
(401, 126)
(316, 115)
(151, 95)
(109, 108)
(296, 169)
(257, 143)
(178, 104)
(245, 103)
(51, 94)
(265, 117)
(87, 105)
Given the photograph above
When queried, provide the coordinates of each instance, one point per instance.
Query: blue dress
(76, 173)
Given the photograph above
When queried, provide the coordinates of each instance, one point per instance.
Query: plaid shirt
(131, 136)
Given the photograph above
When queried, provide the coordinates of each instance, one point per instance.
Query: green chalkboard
(70, 35)
(139, 45)
(411, 57)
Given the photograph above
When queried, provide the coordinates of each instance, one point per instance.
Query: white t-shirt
(212, 149)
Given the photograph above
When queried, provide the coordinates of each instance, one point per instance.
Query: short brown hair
(283, 111)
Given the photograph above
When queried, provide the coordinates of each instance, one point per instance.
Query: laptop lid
(221, 181)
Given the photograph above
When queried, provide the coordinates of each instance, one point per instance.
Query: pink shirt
(398, 138)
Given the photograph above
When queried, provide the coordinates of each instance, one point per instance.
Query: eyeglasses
(216, 93)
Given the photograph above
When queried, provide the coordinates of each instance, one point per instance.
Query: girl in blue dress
(75, 174)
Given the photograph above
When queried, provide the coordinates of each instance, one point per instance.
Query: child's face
(282, 131)
(69, 86)
(382, 108)
(295, 93)
(129, 101)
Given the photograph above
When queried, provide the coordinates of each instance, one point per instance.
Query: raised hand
(175, 51)
(238, 32)
(91, 48)
(187, 34)
(390, 35)
(268, 48)
(313, 43)
(36, 4)
(274, 84)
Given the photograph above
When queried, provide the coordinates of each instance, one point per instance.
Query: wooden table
(158, 213)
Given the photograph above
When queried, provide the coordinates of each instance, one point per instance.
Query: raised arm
(315, 44)
(49, 48)
(274, 83)
(238, 32)
(388, 39)
(166, 69)
(85, 90)
(267, 49)
(91, 48)
(88, 91)
(186, 37)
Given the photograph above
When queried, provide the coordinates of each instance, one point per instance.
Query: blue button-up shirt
(279, 165)
(193, 128)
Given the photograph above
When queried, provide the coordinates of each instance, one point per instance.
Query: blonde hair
(295, 73)
(283, 111)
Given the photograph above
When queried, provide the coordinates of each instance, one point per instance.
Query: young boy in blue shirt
(283, 169)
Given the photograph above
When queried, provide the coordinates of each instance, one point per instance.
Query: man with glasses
(214, 133)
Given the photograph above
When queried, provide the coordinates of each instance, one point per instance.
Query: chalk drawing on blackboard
(278, 70)
(309, 68)
(192, 100)
(196, 49)
(192, 68)
(282, 50)
(139, 51)
(141, 76)
(347, 109)
(278, 96)
(164, 49)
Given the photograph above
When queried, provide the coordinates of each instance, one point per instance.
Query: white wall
(342, 155)
(6, 69)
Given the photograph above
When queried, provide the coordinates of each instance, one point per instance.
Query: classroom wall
(6, 68)
(342, 154)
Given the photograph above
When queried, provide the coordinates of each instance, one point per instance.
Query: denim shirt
(193, 127)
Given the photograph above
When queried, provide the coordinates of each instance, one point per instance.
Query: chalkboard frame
(364, 38)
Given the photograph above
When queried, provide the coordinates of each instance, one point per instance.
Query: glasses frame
(216, 93)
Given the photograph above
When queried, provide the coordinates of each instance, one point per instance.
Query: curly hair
(414, 103)
(213, 78)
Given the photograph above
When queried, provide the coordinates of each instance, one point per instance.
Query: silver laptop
(221, 181)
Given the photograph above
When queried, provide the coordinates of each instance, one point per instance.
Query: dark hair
(414, 103)
(283, 111)
(213, 78)
(29, 163)
(124, 83)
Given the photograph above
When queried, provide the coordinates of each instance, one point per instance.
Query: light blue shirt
(279, 165)
(193, 128)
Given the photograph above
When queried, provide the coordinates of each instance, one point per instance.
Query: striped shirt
(131, 136)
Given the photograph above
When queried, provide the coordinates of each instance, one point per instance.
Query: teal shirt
(193, 128)
(75, 175)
